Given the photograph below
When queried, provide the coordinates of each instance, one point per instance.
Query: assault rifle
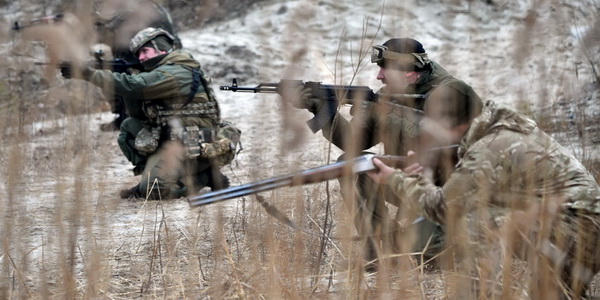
(357, 165)
(119, 65)
(45, 20)
(333, 95)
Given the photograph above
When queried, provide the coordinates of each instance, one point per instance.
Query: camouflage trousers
(169, 173)
(129, 129)
(561, 251)
(571, 254)
(386, 234)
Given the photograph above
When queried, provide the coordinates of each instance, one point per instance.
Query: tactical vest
(160, 113)
(212, 139)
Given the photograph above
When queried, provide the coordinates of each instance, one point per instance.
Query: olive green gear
(147, 35)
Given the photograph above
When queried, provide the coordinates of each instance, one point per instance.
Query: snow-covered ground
(509, 52)
(66, 174)
(521, 53)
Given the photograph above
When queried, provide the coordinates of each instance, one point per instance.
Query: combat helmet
(148, 35)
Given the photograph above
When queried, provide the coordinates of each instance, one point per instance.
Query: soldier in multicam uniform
(178, 105)
(510, 174)
(405, 68)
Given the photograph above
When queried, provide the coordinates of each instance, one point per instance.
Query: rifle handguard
(331, 96)
(358, 165)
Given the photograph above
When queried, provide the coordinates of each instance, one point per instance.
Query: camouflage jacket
(165, 88)
(506, 163)
(396, 128)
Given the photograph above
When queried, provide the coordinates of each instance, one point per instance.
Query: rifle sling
(195, 85)
(281, 217)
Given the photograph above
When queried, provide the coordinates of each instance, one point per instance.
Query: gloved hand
(66, 69)
(305, 99)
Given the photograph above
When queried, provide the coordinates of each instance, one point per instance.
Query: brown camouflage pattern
(507, 162)
(510, 172)
(398, 130)
(218, 148)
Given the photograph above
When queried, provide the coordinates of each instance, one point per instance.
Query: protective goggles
(381, 54)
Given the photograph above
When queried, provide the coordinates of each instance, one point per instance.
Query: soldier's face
(147, 53)
(396, 81)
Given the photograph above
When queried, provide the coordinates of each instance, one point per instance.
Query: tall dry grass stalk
(65, 233)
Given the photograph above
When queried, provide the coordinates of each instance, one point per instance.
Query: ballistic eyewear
(381, 53)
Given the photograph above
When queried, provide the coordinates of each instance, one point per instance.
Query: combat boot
(131, 193)
(218, 181)
(371, 257)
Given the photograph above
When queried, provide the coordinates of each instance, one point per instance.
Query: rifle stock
(333, 95)
(357, 165)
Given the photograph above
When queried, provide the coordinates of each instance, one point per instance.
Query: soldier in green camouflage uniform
(116, 23)
(404, 69)
(179, 106)
(511, 173)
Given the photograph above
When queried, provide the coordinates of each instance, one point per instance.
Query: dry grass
(65, 233)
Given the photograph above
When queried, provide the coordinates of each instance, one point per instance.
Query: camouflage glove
(221, 152)
(216, 149)
(306, 100)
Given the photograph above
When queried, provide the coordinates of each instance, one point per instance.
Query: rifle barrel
(277, 181)
(319, 174)
(260, 88)
(357, 165)
(214, 197)
(49, 20)
(257, 89)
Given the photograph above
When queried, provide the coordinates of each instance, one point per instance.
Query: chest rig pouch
(192, 138)
(147, 139)
(167, 117)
